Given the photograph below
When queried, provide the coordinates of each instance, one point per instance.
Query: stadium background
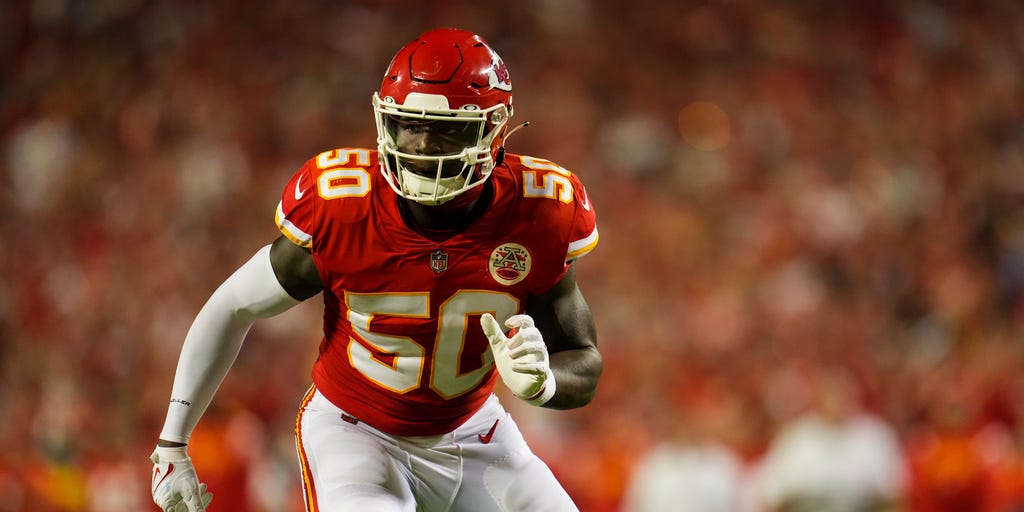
(785, 191)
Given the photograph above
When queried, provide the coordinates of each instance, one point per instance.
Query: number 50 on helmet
(450, 77)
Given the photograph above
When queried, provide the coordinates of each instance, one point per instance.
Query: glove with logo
(176, 487)
(522, 360)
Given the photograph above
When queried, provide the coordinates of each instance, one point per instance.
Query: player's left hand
(175, 486)
(522, 360)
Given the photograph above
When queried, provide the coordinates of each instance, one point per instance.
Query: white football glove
(175, 486)
(522, 360)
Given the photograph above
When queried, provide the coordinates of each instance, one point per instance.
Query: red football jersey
(403, 349)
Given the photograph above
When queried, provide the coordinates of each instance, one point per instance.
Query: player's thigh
(505, 475)
(347, 467)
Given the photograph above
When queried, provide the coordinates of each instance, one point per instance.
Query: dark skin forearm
(577, 372)
(565, 321)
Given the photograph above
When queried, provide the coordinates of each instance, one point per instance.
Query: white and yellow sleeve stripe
(581, 247)
(296, 235)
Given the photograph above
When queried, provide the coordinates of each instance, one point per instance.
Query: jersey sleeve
(583, 235)
(294, 215)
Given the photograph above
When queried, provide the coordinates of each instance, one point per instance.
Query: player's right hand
(175, 485)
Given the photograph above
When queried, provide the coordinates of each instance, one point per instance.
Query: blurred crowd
(809, 288)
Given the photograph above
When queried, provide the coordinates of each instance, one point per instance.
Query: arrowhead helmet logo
(498, 77)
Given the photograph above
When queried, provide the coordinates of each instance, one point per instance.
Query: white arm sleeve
(216, 335)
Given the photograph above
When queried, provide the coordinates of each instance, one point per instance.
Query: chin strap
(501, 151)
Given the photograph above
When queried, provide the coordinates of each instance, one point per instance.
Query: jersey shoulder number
(544, 179)
(334, 174)
(343, 173)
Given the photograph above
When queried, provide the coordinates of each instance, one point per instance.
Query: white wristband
(545, 394)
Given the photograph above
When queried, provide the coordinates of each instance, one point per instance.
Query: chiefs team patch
(510, 263)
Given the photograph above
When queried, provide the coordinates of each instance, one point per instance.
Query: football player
(445, 263)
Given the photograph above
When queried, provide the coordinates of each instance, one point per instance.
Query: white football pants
(350, 466)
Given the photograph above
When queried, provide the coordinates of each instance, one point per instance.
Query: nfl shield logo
(438, 261)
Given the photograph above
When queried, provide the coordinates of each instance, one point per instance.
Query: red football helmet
(450, 80)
